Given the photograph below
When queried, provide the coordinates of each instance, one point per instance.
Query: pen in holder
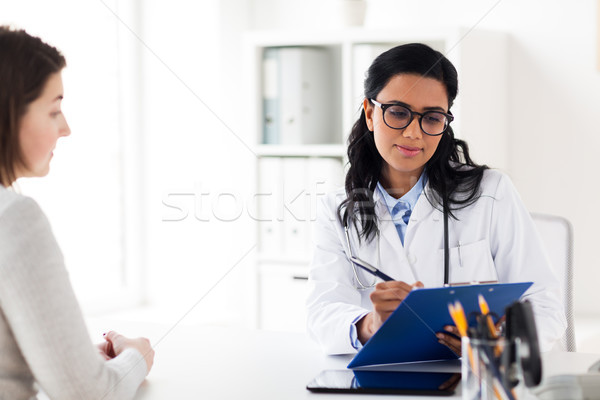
(497, 366)
(484, 375)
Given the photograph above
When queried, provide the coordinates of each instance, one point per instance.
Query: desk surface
(198, 362)
(222, 363)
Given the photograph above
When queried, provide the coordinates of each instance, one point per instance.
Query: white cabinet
(283, 290)
(305, 92)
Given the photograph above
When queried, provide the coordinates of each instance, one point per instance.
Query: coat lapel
(387, 229)
(422, 211)
(393, 256)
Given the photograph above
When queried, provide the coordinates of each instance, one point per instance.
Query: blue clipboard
(408, 335)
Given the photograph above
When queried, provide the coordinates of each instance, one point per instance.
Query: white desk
(223, 363)
(220, 363)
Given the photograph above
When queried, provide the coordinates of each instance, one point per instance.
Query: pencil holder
(489, 369)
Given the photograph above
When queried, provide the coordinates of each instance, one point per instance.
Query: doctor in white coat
(404, 161)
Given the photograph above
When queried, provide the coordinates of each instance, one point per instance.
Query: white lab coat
(493, 239)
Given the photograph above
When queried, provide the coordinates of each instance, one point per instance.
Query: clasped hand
(115, 344)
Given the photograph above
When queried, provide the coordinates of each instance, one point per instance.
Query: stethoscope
(357, 262)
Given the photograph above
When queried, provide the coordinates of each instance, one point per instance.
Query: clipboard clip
(469, 283)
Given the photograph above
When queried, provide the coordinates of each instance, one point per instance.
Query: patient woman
(43, 338)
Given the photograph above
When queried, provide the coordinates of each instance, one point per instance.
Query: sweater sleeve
(40, 306)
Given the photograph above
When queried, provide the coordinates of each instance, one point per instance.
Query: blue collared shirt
(400, 209)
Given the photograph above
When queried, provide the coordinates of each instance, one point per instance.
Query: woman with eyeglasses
(406, 169)
(44, 342)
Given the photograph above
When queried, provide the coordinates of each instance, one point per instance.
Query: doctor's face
(406, 151)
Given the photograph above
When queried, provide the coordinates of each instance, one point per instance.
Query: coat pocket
(472, 262)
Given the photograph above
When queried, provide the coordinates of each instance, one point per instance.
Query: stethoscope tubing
(446, 247)
(355, 261)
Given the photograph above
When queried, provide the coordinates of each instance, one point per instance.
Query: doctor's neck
(398, 183)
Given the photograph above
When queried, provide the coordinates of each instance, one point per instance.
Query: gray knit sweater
(43, 337)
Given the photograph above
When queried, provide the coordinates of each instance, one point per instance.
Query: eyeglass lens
(398, 117)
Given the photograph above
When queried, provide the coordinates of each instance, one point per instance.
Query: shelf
(336, 37)
(317, 150)
(282, 259)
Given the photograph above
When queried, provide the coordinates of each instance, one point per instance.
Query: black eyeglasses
(397, 116)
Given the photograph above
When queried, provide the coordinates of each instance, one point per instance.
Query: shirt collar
(409, 199)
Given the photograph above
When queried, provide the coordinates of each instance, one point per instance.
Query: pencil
(458, 316)
(485, 311)
(460, 320)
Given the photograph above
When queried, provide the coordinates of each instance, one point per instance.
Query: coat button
(412, 259)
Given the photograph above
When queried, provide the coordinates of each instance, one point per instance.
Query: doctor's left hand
(451, 338)
(386, 297)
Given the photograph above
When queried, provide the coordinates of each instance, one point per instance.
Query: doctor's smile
(408, 151)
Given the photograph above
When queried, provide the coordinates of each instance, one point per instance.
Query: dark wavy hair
(26, 63)
(453, 178)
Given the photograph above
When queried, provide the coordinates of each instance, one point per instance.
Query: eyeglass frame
(385, 106)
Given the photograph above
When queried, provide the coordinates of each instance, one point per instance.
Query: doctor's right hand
(386, 297)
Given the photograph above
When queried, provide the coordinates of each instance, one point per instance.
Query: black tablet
(385, 382)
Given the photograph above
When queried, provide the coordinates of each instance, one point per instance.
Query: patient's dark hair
(26, 63)
(453, 177)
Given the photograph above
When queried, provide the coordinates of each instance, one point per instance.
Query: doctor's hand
(386, 297)
(451, 338)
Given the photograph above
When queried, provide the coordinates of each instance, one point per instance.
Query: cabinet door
(283, 292)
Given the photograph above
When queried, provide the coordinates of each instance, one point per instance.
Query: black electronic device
(385, 382)
(520, 328)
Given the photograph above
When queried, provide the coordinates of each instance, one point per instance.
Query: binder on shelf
(297, 96)
(288, 192)
(362, 56)
(408, 335)
(295, 206)
(324, 175)
(268, 197)
(291, 78)
(270, 94)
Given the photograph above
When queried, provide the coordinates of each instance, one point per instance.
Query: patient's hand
(116, 344)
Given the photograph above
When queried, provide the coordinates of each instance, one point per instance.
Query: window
(84, 195)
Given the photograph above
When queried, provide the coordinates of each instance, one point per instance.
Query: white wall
(175, 101)
(195, 154)
(554, 99)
